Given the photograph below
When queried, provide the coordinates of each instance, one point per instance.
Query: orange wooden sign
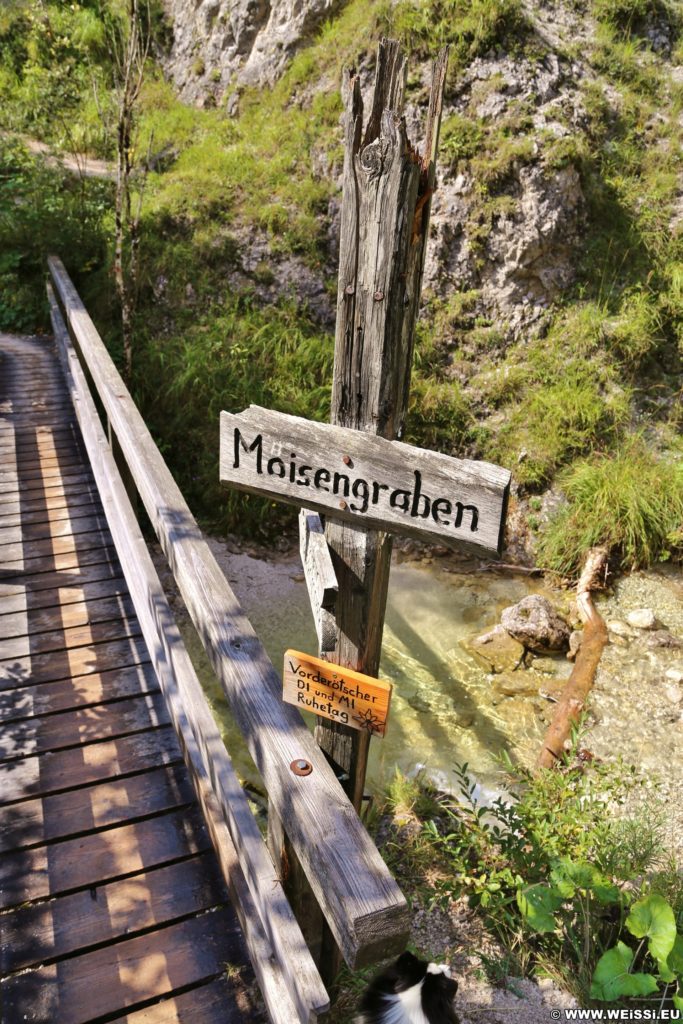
(337, 693)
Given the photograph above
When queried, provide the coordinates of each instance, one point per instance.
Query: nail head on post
(301, 767)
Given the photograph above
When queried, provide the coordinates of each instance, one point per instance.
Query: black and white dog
(411, 991)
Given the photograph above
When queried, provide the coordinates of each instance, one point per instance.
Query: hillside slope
(550, 339)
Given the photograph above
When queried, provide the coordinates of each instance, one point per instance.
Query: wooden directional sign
(320, 576)
(337, 693)
(363, 478)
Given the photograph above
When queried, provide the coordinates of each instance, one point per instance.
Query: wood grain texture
(77, 692)
(89, 860)
(128, 973)
(80, 803)
(78, 766)
(349, 475)
(47, 931)
(84, 725)
(383, 236)
(95, 658)
(100, 805)
(367, 912)
(202, 1005)
(321, 580)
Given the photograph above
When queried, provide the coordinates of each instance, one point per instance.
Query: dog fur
(411, 991)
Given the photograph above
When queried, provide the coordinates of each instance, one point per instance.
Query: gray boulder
(534, 622)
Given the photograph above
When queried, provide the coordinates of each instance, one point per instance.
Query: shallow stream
(446, 708)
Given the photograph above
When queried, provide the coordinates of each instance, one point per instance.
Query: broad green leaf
(560, 879)
(568, 874)
(678, 1002)
(675, 958)
(612, 980)
(537, 904)
(665, 973)
(652, 917)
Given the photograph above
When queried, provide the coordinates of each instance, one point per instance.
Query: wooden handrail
(289, 980)
(362, 903)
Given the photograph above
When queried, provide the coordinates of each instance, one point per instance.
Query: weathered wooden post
(352, 470)
(384, 227)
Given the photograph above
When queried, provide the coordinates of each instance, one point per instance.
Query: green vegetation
(566, 874)
(469, 27)
(43, 210)
(557, 405)
(227, 358)
(629, 501)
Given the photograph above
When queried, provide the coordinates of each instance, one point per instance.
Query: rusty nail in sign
(346, 459)
(378, 296)
(342, 504)
(301, 767)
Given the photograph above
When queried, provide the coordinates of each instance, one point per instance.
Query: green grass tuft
(631, 501)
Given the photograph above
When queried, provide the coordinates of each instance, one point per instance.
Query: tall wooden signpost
(353, 472)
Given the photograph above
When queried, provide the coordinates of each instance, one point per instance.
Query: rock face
(534, 623)
(528, 255)
(217, 43)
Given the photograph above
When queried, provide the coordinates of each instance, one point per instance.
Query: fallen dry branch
(573, 697)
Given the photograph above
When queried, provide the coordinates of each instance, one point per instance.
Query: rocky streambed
(460, 697)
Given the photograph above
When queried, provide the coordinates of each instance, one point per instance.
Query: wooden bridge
(135, 884)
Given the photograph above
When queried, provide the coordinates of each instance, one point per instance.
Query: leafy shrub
(548, 869)
(42, 211)
(631, 501)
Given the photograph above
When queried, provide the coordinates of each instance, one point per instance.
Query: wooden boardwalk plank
(84, 725)
(100, 570)
(78, 692)
(100, 805)
(68, 769)
(89, 860)
(106, 869)
(45, 533)
(37, 552)
(69, 616)
(43, 522)
(129, 972)
(47, 931)
(45, 668)
(113, 626)
(203, 1005)
(16, 599)
(51, 497)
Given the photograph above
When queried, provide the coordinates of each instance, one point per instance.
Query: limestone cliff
(218, 43)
